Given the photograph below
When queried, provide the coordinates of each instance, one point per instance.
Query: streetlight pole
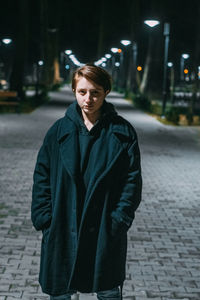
(182, 63)
(166, 34)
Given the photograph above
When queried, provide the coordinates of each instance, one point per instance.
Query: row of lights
(70, 55)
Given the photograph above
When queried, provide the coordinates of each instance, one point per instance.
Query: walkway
(163, 260)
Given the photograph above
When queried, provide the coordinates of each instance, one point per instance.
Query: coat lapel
(113, 148)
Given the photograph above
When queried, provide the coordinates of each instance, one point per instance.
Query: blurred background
(151, 48)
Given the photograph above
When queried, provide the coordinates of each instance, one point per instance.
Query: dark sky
(80, 22)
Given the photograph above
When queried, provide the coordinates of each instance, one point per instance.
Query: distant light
(114, 50)
(108, 56)
(68, 52)
(117, 64)
(103, 59)
(186, 71)
(6, 41)
(170, 64)
(103, 65)
(125, 42)
(67, 67)
(75, 60)
(151, 23)
(185, 56)
(40, 62)
(119, 50)
(139, 68)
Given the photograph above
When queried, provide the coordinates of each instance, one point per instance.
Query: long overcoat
(90, 257)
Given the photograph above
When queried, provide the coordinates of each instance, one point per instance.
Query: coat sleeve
(124, 213)
(41, 192)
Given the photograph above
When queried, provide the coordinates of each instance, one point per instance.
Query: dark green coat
(91, 257)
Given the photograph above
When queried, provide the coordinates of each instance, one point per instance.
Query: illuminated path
(163, 260)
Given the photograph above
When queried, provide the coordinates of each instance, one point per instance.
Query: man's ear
(107, 92)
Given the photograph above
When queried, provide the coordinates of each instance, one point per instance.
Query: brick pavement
(163, 259)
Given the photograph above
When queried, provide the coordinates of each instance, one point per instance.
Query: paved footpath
(163, 259)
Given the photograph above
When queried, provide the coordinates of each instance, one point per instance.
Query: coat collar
(67, 137)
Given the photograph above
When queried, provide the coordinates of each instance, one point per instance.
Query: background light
(68, 52)
(67, 67)
(170, 64)
(139, 68)
(117, 64)
(114, 50)
(151, 23)
(108, 56)
(185, 56)
(40, 62)
(6, 41)
(125, 42)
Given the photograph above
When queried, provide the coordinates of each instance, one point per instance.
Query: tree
(196, 62)
(50, 16)
(21, 48)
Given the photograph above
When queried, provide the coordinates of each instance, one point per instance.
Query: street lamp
(166, 35)
(6, 41)
(68, 52)
(166, 32)
(184, 56)
(151, 23)
(125, 42)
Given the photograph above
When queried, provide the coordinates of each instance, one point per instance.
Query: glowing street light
(6, 41)
(40, 63)
(114, 50)
(108, 56)
(125, 42)
(170, 64)
(68, 52)
(185, 56)
(151, 23)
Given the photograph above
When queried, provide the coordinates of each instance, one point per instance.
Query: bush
(172, 114)
(141, 101)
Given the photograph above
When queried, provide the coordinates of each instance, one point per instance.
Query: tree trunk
(21, 49)
(196, 84)
(131, 82)
(50, 32)
(100, 47)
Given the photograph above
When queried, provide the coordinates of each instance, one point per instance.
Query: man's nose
(88, 97)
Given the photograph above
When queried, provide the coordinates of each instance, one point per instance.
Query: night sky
(80, 21)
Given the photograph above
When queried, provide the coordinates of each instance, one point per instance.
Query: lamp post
(166, 34)
(125, 43)
(182, 63)
(7, 65)
(114, 51)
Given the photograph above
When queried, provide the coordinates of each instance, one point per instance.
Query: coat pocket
(117, 229)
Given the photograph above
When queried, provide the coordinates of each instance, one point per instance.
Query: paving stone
(163, 258)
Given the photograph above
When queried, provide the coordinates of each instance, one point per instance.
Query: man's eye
(95, 92)
(82, 92)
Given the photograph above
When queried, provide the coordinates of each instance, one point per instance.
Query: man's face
(89, 95)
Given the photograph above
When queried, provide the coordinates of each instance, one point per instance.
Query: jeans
(113, 294)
